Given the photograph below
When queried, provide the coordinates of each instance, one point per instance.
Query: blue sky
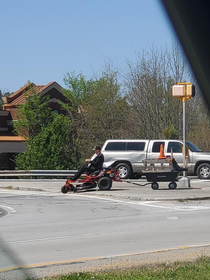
(42, 40)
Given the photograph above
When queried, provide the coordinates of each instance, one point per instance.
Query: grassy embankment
(198, 270)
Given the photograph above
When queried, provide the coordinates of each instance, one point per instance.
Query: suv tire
(203, 171)
(125, 170)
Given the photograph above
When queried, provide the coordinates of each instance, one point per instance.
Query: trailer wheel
(172, 186)
(64, 189)
(105, 183)
(155, 186)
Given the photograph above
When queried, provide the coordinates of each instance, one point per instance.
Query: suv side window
(115, 146)
(156, 146)
(176, 147)
(135, 146)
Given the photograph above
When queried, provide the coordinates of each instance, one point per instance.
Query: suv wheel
(125, 170)
(203, 171)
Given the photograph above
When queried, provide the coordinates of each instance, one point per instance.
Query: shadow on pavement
(10, 265)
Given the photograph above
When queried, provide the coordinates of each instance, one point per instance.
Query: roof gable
(18, 97)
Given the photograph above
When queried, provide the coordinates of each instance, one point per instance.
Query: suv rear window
(135, 146)
(115, 146)
(156, 146)
(125, 146)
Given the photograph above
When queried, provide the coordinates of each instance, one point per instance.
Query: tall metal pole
(184, 93)
(184, 135)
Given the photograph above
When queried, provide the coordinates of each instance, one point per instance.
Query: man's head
(97, 149)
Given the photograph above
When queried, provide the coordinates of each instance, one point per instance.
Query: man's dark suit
(98, 161)
(95, 164)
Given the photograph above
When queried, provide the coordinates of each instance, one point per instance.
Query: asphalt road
(198, 189)
(48, 229)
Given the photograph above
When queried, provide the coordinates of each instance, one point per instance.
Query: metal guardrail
(36, 173)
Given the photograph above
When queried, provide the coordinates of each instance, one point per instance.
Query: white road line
(172, 218)
(199, 181)
(149, 203)
(8, 209)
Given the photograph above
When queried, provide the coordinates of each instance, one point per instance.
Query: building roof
(12, 139)
(12, 102)
(18, 97)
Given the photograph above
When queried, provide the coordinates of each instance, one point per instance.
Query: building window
(4, 161)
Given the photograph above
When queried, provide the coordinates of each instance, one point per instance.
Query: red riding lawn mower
(103, 179)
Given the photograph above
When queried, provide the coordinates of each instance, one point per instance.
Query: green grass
(8, 187)
(198, 270)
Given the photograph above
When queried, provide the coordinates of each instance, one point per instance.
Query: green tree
(96, 108)
(33, 115)
(77, 92)
(50, 148)
(47, 134)
(5, 94)
(170, 132)
(106, 109)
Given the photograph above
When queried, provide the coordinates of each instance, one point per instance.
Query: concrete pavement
(200, 189)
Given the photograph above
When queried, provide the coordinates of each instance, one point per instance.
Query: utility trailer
(161, 170)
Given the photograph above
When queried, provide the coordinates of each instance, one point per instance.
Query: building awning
(12, 144)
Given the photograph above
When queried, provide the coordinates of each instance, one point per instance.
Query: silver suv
(127, 156)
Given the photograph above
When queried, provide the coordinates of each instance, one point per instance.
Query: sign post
(184, 91)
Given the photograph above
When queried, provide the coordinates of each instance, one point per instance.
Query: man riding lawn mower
(95, 175)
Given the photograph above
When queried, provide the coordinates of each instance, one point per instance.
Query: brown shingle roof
(18, 97)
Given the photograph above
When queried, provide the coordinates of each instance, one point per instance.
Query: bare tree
(153, 109)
